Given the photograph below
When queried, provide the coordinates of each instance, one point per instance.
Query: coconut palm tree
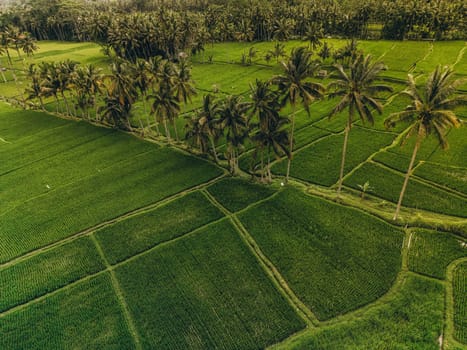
(357, 89)
(35, 89)
(273, 137)
(430, 113)
(95, 81)
(233, 122)
(294, 87)
(278, 51)
(207, 117)
(165, 106)
(196, 134)
(265, 103)
(313, 35)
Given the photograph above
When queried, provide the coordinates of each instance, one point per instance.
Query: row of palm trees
(356, 88)
(259, 121)
(111, 97)
(11, 38)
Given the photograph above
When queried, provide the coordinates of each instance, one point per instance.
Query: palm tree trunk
(262, 166)
(175, 130)
(66, 103)
(269, 166)
(289, 161)
(213, 146)
(167, 132)
(96, 109)
(407, 176)
(41, 101)
(58, 103)
(344, 151)
(157, 126)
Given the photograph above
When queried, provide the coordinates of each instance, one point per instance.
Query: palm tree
(295, 88)
(182, 85)
(273, 137)
(95, 81)
(142, 82)
(165, 106)
(35, 89)
(233, 122)
(357, 90)
(429, 113)
(313, 35)
(207, 117)
(196, 134)
(265, 103)
(65, 72)
(278, 51)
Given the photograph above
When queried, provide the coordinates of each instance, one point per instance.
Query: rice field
(111, 241)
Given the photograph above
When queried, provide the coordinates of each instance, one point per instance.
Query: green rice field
(112, 240)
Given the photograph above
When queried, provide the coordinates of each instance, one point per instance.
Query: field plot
(141, 232)
(320, 163)
(205, 291)
(460, 302)
(413, 319)
(334, 258)
(69, 320)
(387, 185)
(126, 183)
(80, 161)
(235, 194)
(48, 271)
(431, 252)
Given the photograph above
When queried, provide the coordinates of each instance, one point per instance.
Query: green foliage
(460, 302)
(236, 194)
(139, 233)
(320, 162)
(334, 258)
(387, 185)
(431, 252)
(48, 271)
(69, 320)
(412, 319)
(205, 291)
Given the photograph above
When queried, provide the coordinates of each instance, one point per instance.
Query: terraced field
(111, 241)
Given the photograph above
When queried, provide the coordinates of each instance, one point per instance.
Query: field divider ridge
(302, 310)
(119, 294)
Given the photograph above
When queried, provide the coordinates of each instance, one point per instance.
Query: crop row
(48, 271)
(431, 252)
(334, 258)
(85, 316)
(387, 185)
(320, 163)
(115, 190)
(205, 291)
(412, 319)
(460, 302)
(139, 233)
